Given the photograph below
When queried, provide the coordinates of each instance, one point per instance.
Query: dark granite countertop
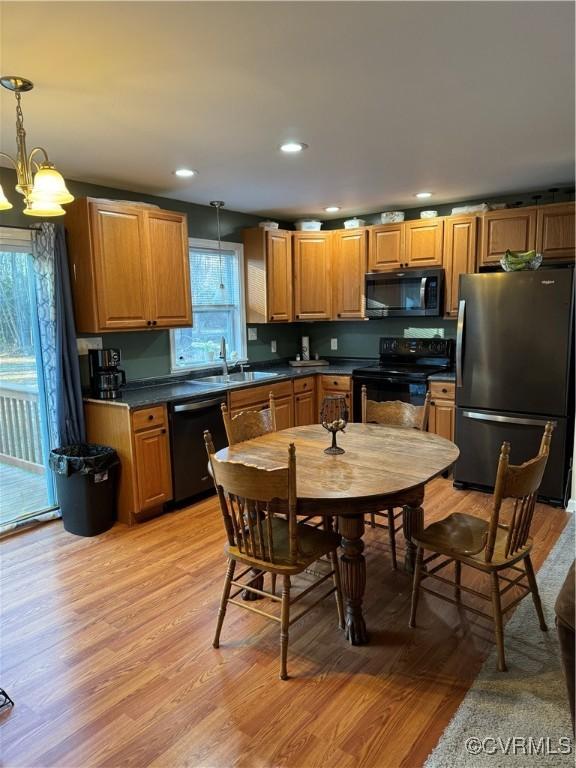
(140, 395)
(177, 388)
(444, 376)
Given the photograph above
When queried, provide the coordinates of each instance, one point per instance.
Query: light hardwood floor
(106, 647)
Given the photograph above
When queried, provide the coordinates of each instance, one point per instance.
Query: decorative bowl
(391, 217)
(354, 223)
(516, 261)
(308, 225)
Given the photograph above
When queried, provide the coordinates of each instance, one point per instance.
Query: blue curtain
(58, 336)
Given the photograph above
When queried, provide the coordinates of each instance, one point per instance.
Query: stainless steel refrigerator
(514, 371)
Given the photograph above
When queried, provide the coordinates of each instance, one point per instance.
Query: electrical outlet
(252, 334)
(273, 346)
(333, 344)
(84, 344)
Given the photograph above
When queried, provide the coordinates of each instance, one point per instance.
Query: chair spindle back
(395, 412)
(248, 424)
(247, 496)
(520, 483)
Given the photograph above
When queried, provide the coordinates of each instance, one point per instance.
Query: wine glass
(334, 418)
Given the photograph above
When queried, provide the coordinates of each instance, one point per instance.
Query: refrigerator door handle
(460, 341)
(505, 419)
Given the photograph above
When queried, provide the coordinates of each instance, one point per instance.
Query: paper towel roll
(305, 348)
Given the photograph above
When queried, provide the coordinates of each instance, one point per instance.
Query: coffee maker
(105, 376)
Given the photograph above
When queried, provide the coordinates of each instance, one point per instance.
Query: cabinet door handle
(444, 389)
(154, 322)
(150, 416)
(148, 322)
(163, 431)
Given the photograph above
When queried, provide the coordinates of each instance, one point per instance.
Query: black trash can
(86, 477)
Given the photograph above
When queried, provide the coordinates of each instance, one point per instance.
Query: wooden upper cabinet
(279, 283)
(424, 241)
(129, 266)
(513, 229)
(386, 248)
(268, 275)
(459, 256)
(121, 286)
(555, 231)
(348, 273)
(312, 275)
(169, 272)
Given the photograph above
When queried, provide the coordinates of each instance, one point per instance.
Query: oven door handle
(423, 292)
(387, 380)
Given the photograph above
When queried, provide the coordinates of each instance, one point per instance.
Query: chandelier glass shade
(42, 186)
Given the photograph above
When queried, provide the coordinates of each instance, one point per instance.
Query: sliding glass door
(26, 486)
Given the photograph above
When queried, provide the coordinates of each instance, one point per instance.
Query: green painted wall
(201, 218)
(563, 195)
(360, 339)
(147, 353)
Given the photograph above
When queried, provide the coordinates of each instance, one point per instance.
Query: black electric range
(403, 369)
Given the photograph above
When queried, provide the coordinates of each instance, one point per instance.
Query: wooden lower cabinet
(153, 473)
(142, 442)
(334, 385)
(284, 412)
(305, 401)
(256, 398)
(442, 409)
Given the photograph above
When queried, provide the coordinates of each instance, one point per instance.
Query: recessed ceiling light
(292, 147)
(185, 173)
(332, 209)
(423, 195)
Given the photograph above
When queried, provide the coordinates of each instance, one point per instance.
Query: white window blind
(218, 309)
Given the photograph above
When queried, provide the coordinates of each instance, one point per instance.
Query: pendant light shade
(5, 204)
(50, 187)
(42, 186)
(43, 208)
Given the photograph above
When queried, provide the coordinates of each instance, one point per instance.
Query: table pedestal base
(353, 567)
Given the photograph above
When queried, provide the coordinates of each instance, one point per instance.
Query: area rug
(518, 718)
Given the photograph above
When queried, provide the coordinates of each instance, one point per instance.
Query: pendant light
(219, 204)
(42, 186)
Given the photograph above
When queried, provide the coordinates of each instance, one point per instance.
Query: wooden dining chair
(490, 546)
(248, 424)
(397, 414)
(260, 539)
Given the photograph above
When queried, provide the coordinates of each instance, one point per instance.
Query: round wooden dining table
(382, 467)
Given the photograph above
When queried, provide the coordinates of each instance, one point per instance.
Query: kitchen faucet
(223, 356)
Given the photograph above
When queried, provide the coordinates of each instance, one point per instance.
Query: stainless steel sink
(234, 378)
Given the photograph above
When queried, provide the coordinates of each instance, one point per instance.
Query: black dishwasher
(188, 420)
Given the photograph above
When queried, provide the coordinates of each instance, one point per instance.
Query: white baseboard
(571, 506)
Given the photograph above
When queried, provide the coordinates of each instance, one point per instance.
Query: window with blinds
(218, 309)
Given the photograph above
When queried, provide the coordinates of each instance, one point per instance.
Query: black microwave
(407, 293)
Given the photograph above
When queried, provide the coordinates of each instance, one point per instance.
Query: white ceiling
(463, 99)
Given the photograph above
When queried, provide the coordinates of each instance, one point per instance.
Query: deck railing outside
(20, 429)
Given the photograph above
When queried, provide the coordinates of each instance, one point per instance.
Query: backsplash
(147, 353)
(360, 339)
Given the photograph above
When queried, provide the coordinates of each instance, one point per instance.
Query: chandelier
(42, 186)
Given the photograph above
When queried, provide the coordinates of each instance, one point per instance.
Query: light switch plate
(333, 344)
(252, 334)
(83, 345)
(273, 346)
